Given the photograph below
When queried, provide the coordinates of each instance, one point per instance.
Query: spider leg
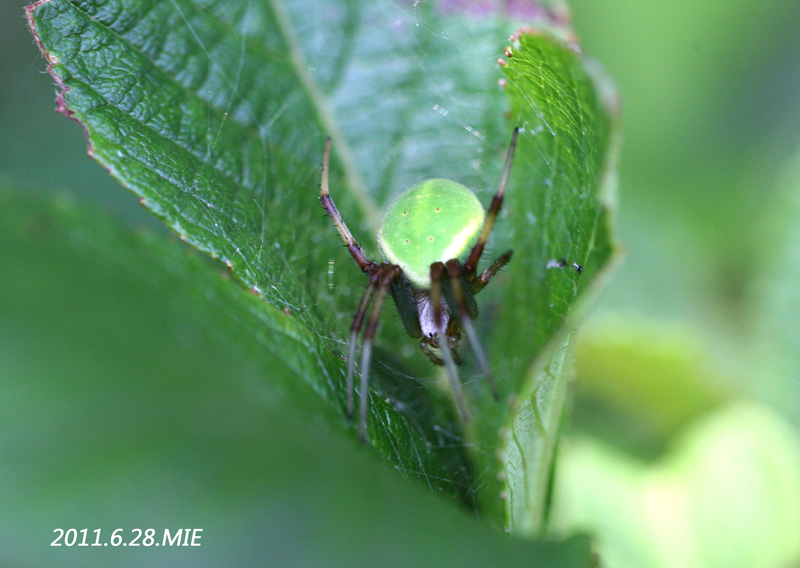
(358, 321)
(457, 282)
(381, 279)
(471, 265)
(325, 198)
(480, 282)
(437, 275)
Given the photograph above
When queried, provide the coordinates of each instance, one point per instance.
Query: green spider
(422, 236)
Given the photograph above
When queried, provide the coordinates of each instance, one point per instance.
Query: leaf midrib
(369, 211)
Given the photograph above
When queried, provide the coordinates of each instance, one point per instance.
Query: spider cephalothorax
(422, 237)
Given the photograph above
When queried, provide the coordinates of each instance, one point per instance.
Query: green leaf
(133, 397)
(559, 208)
(774, 297)
(215, 113)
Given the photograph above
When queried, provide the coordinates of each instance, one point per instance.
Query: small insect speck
(430, 239)
(438, 209)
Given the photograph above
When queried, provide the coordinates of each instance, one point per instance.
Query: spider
(423, 235)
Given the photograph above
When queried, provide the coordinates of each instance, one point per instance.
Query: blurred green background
(683, 448)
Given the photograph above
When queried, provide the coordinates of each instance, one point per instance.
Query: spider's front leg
(471, 265)
(381, 276)
(326, 200)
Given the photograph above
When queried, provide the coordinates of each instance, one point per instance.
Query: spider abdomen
(434, 221)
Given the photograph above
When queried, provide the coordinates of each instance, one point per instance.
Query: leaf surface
(214, 113)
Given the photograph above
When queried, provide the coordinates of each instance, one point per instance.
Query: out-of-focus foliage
(726, 496)
(669, 466)
(665, 466)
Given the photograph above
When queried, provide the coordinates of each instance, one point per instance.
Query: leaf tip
(563, 33)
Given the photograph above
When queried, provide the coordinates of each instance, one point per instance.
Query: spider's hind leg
(464, 304)
(437, 278)
(379, 282)
(355, 328)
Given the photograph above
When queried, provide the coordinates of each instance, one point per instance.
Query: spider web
(240, 96)
(403, 91)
